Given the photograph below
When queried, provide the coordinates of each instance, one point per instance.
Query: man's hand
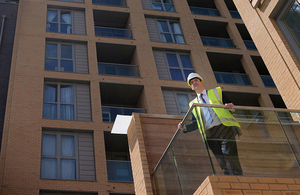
(230, 106)
(180, 126)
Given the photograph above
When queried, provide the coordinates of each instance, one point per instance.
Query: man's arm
(189, 127)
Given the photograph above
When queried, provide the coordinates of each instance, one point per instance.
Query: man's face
(196, 84)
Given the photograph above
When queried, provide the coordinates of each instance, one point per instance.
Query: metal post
(2, 27)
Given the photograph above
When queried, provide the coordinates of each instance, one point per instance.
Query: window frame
(162, 5)
(59, 20)
(59, 58)
(170, 30)
(58, 99)
(58, 155)
(191, 96)
(289, 37)
(179, 63)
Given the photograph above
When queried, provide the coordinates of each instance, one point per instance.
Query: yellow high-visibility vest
(215, 97)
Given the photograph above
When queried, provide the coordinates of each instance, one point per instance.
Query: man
(217, 125)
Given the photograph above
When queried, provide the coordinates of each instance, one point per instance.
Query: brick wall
(225, 185)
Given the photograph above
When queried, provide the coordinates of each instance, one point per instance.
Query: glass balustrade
(119, 171)
(109, 113)
(118, 69)
(232, 78)
(113, 32)
(204, 11)
(120, 3)
(235, 14)
(267, 80)
(250, 45)
(218, 42)
(268, 147)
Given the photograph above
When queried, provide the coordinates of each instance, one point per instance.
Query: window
(180, 66)
(59, 102)
(288, 21)
(163, 5)
(62, 155)
(59, 57)
(59, 21)
(170, 31)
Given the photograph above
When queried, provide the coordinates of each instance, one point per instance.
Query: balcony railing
(232, 78)
(218, 42)
(235, 14)
(113, 32)
(268, 81)
(204, 11)
(118, 69)
(119, 171)
(120, 3)
(250, 45)
(268, 147)
(109, 113)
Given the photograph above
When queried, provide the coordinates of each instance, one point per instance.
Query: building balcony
(217, 42)
(119, 171)
(109, 113)
(235, 14)
(232, 78)
(267, 80)
(113, 32)
(177, 163)
(120, 3)
(205, 11)
(250, 45)
(118, 69)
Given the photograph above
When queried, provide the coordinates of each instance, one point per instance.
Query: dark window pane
(49, 145)
(163, 26)
(166, 38)
(169, 8)
(176, 74)
(68, 169)
(66, 51)
(66, 112)
(51, 64)
(52, 16)
(50, 93)
(52, 27)
(49, 168)
(66, 65)
(66, 28)
(51, 50)
(50, 111)
(172, 60)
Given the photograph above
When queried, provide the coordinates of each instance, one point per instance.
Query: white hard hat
(192, 76)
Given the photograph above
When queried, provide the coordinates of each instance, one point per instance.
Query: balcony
(120, 3)
(118, 69)
(267, 80)
(204, 11)
(217, 42)
(119, 171)
(235, 14)
(113, 32)
(250, 45)
(109, 113)
(232, 78)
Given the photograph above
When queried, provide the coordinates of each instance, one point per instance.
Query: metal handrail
(215, 106)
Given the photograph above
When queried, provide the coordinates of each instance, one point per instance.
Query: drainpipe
(2, 27)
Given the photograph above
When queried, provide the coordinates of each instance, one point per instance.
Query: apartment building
(76, 64)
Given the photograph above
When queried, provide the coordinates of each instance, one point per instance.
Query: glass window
(58, 156)
(59, 102)
(170, 32)
(180, 66)
(163, 5)
(183, 101)
(59, 57)
(59, 21)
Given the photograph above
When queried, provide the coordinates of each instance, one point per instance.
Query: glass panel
(157, 6)
(101, 2)
(179, 39)
(119, 171)
(52, 27)
(66, 65)
(66, 51)
(176, 74)
(51, 64)
(66, 17)
(49, 168)
(67, 145)
(49, 145)
(66, 28)
(50, 111)
(166, 38)
(66, 94)
(52, 16)
(51, 50)
(169, 8)
(183, 100)
(186, 61)
(175, 27)
(107, 69)
(68, 169)
(291, 21)
(172, 60)
(50, 93)
(163, 26)
(67, 112)
(105, 32)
